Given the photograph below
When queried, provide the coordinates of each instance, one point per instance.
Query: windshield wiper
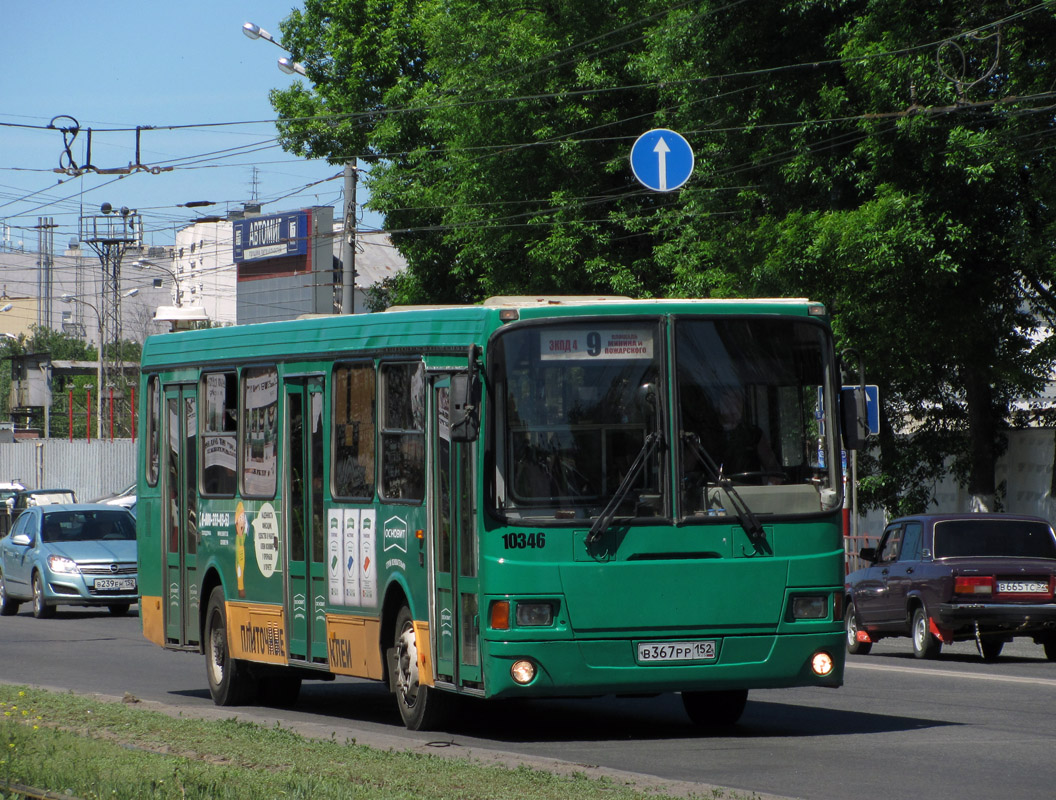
(652, 441)
(748, 520)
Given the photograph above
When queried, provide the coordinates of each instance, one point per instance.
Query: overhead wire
(199, 160)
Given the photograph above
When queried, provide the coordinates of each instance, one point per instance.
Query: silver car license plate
(699, 650)
(115, 584)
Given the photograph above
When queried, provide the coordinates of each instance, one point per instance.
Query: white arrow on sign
(661, 160)
(661, 151)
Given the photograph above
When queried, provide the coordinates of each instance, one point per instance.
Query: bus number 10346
(524, 541)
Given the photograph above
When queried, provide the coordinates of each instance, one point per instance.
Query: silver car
(80, 554)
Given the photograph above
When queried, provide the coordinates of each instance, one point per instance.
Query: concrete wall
(1025, 470)
(92, 469)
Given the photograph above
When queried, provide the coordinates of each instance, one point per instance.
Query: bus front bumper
(589, 668)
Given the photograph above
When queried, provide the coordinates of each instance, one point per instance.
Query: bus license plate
(651, 652)
(1023, 587)
(115, 584)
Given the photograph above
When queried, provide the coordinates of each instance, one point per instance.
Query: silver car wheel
(41, 609)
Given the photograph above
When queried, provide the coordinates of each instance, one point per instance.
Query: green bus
(528, 498)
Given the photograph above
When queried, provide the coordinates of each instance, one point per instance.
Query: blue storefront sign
(272, 236)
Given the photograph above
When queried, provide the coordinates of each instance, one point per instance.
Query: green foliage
(61, 346)
(889, 159)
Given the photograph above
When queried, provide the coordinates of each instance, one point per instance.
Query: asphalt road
(899, 728)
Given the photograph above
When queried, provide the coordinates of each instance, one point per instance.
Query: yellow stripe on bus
(425, 660)
(353, 646)
(152, 620)
(257, 632)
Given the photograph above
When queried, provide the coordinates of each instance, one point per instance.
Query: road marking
(946, 673)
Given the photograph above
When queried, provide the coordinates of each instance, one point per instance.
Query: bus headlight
(810, 607)
(535, 614)
(821, 663)
(522, 671)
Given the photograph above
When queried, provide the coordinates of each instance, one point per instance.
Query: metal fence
(91, 469)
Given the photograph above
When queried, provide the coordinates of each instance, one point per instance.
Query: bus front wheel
(421, 707)
(715, 709)
(230, 682)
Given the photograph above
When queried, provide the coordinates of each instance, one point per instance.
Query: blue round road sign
(662, 160)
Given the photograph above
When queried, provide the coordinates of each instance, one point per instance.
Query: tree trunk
(981, 440)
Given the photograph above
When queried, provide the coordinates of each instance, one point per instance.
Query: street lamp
(287, 65)
(142, 263)
(69, 298)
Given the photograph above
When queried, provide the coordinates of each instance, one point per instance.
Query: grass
(89, 749)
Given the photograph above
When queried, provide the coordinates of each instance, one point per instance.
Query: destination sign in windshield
(585, 344)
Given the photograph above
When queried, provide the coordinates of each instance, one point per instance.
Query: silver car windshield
(85, 526)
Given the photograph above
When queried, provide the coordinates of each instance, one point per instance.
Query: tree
(918, 203)
(885, 158)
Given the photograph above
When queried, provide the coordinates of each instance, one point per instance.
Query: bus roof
(452, 328)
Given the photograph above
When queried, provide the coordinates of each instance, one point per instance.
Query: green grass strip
(96, 750)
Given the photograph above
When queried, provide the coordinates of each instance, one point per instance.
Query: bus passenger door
(454, 617)
(180, 514)
(306, 572)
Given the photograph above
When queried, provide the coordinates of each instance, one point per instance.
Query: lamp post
(348, 245)
(287, 65)
(142, 263)
(69, 298)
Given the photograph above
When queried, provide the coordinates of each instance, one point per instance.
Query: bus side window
(219, 392)
(153, 437)
(260, 431)
(403, 431)
(353, 398)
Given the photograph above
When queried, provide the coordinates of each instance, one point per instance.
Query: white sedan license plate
(651, 652)
(115, 584)
(1023, 587)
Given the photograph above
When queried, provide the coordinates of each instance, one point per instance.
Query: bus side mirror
(854, 418)
(465, 407)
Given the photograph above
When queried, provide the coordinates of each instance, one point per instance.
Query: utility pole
(348, 242)
(110, 235)
(45, 263)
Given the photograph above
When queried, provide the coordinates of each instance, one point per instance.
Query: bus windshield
(580, 405)
(575, 405)
(751, 399)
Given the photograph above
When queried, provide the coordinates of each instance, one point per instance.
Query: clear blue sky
(123, 63)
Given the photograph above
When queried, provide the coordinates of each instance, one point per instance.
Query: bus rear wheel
(715, 709)
(230, 681)
(422, 708)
